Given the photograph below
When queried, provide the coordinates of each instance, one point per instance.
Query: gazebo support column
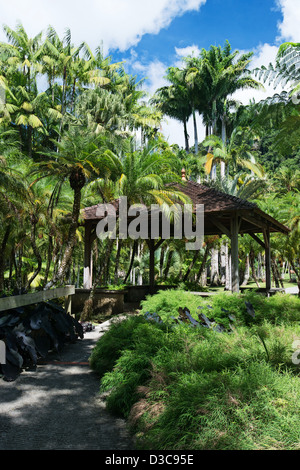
(235, 254)
(88, 259)
(267, 259)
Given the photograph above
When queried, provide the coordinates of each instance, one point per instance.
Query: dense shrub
(280, 308)
(249, 408)
(113, 343)
(182, 387)
(166, 303)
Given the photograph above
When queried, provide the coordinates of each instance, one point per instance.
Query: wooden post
(268, 259)
(235, 254)
(88, 267)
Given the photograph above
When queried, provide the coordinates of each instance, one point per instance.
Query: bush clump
(193, 388)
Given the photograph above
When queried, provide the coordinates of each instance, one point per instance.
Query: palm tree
(102, 111)
(24, 52)
(223, 72)
(173, 101)
(80, 158)
(235, 153)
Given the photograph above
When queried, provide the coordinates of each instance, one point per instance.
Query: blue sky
(246, 24)
(154, 34)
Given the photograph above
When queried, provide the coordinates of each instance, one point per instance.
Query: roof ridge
(221, 193)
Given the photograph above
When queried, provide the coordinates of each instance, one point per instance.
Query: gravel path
(58, 406)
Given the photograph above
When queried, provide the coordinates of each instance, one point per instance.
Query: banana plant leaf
(30, 333)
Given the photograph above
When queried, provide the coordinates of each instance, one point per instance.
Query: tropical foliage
(77, 130)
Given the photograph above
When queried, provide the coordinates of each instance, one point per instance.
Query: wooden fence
(16, 301)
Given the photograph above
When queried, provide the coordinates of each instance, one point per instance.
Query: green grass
(190, 388)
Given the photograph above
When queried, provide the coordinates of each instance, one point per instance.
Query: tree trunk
(161, 261)
(117, 261)
(107, 262)
(224, 138)
(247, 272)
(36, 252)
(228, 281)
(203, 264)
(297, 272)
(168, 264)
(251, 259)
(71, 241)
(49, 259)
(186, 136)
(132, 260)
(214, 277)
(276, 274)
(2, 256)
(18, 268)
(195, 131)
(224, 248)
(188, 271)
(11, 265)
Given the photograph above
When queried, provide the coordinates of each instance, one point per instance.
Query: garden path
(58, 406)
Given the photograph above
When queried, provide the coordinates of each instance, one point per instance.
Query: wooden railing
(8, 303)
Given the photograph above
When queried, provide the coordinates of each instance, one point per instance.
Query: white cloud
(119, 23)
(289, 27)
(188, 51)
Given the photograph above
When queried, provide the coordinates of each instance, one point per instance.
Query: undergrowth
(190, 388)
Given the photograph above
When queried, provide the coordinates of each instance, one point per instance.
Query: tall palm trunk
(203, 264)
(186, 136)
(214, 277)
(251, 256)
(189, 269)
(49, 259)
(224, 138)
(161, 261)
(36, 251)
(117, 260)
(67, 256)
(131, 261)
(168, 264)
(247, 272)
(195, 131)
(2, 256)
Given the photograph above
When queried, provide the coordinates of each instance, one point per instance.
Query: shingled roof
(219, 208)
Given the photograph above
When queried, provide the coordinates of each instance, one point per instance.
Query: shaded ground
(58, 406)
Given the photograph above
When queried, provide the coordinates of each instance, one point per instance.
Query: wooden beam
(219, 225)
(16, 301)
(254, 221)
(257, 239)
(235, 254)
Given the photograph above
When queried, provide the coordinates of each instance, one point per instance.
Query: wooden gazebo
(223, 214)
